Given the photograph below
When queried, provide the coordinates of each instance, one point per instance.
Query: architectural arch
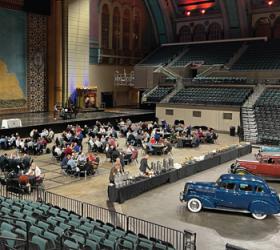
(105, 27)
(263, 27)
(215, 31)
(185, 34)
(126, 29)
(199, 33)
(136, 30)
(116, 28)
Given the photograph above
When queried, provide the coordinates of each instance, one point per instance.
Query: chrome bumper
(181, 197)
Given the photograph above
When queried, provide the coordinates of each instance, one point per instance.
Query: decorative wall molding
(37, 63)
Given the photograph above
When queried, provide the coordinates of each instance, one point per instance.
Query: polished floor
(41, 118)
(214, 229)
(161, 205)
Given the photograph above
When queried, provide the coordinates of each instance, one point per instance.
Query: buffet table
(130, 191)
(127, 192)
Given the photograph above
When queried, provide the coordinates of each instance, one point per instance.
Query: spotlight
(188, 13)
(270, 3)
(203, 12)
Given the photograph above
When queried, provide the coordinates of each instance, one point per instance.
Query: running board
(230, 210)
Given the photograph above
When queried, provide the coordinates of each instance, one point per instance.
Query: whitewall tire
(259, 216)
(194, 205)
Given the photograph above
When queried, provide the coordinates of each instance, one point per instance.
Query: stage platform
(46, 119)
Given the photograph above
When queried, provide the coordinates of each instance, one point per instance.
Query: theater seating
(212, 95)
(163, 55)
(221, 80)
(209, 53)
(260, 55)
(51, 227)
(267, 113)
(158, 94)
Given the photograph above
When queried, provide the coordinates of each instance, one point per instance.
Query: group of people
(34, 144)
(68, 149)
(21, 173)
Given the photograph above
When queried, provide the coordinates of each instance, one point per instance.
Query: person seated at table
(98, 146)
(76, 147)
(117, 168)
(68, 150)
(144, 165)
(150, 143)
(195, 139)
(81, 158)
(103, 140)
(64, 162)
(24, 184)
(157, 136)
(34, 173)
(200, 133)
(102, 130)
(112, 142)
(93, 160)
(71, 164)
(26, 161)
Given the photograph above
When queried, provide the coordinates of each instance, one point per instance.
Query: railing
(180, 240)
(63, 202)
(105, 215)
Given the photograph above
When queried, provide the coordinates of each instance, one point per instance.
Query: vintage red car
(267, 166)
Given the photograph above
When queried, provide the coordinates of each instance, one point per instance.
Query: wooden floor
(41, 118)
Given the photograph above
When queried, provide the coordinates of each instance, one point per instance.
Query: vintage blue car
(236, 193)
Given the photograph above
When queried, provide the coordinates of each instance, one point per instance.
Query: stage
(46, 120)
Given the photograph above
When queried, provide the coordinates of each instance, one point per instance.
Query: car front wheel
(194, 205)
(259, 216)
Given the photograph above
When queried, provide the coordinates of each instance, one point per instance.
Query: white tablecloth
(11, 123)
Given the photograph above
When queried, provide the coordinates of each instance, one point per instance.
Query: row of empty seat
(221, 80)
(158, 94)
(52, 227)
(209, 54)
(163, 55)
(208, 95)
(260, 55)
(267, 113)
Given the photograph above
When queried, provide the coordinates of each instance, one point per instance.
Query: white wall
(78, 44)
(210, 116)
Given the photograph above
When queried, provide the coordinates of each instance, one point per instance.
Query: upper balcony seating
(163, 55)
(260, 55)
(52, 227)
(221, 80)
(209, 53)
(267, 112)
(212, 95)
(158, 94)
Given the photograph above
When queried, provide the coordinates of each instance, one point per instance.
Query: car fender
(259, 206)
(206, 202)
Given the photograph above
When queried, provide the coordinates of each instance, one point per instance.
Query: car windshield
(218, 181)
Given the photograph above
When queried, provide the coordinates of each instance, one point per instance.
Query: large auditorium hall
(139, 124)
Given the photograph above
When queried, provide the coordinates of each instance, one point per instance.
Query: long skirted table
(121, 194)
